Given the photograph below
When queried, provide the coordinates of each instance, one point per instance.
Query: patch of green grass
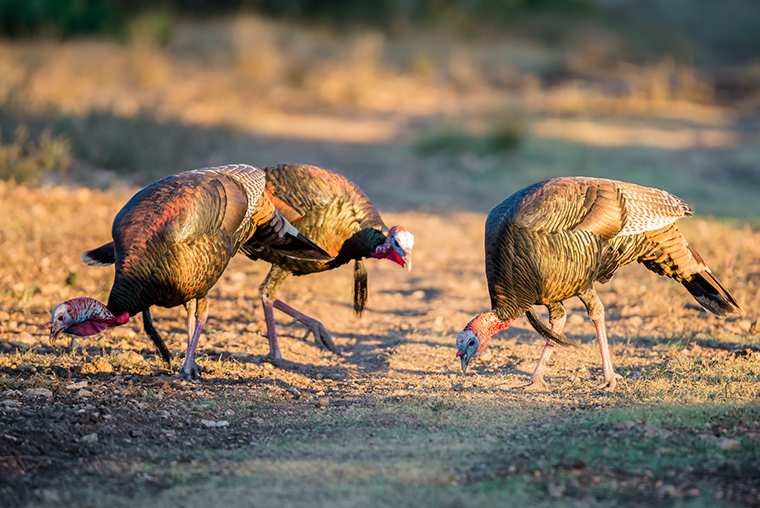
(502, 138)
(14, 383)
(661, 460)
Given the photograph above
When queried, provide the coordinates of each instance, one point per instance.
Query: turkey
(336, 215)
(553, 240)
(171, 243)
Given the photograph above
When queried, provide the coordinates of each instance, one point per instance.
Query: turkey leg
(197, 313)
(557, 318)
(321, 335)
(268, 292)
(595, 311)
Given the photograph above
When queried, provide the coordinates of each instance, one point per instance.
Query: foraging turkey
(171, 243)
(336, 215)
(553, 240)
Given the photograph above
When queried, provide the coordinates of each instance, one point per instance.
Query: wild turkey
(553, 240)
(336, 215)
(171, 243)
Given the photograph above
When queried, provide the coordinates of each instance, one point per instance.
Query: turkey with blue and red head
(336, 215)
(553, 240)
(171, 243)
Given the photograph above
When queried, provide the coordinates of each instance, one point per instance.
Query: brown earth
(96, 406)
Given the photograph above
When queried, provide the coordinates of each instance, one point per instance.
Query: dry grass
(403, 426)
(270, 78)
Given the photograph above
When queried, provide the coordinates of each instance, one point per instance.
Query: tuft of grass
(25, 160)
(151, 29)
(497, 139)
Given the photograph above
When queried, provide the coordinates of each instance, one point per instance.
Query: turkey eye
(60, 318)
(472, 341)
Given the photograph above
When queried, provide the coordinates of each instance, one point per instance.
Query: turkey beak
(54, 330)
(465, 360)
(408, 261)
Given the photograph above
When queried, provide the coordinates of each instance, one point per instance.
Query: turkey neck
(361, 245)
(128, 297)
(486, 324)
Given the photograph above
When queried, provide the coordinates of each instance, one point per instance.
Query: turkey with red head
(336, 215)
(171, 243)
(551, 241)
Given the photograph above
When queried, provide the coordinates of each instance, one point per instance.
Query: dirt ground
(391, 421)
(81, 414)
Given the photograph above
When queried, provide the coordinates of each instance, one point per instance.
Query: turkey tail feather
(360, 287)
(280, 235)
(540, 326)
(102, 256)
(300, 247)
(711, 295)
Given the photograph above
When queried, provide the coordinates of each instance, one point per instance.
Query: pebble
(555, 491)
(653, 431)
(213, 423)
(130, 357)
(668, 490)
(418, 295)
(84, 393)
(625, 425)
(90, 438)
(744, 325)
(97, 366)
(729, 444)
(24, 338)
(77, 386)
(39, 392)
(322, 403)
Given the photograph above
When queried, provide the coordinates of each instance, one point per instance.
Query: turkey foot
(278, 361)
(321, 335)
(537, 378)
(535, 385)
(190, 373)
(197, 313)
(610, 384)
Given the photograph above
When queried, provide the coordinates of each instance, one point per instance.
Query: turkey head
(397, 247)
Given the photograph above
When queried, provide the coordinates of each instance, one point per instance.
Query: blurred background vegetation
(693, 28)
(422, 102)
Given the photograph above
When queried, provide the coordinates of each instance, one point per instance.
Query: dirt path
(393, 415)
